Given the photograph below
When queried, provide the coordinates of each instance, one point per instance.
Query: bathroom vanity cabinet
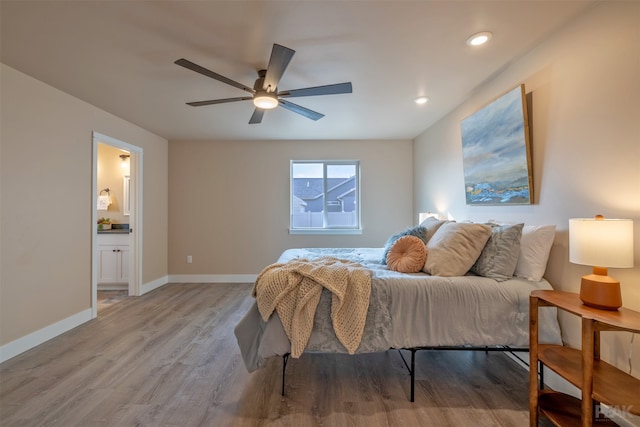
(113, 259)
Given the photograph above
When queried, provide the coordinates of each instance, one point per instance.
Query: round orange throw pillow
(407, 255)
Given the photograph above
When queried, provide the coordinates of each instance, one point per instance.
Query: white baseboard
(38, 337)
(520, 357)
(213, 278)
(122, 287)
(197, 278)
(154, 284)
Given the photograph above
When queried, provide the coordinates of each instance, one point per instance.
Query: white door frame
(135, 218)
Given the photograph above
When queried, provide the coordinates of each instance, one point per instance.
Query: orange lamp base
(600, 291)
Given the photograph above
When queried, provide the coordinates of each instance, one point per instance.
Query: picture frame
(496, 152)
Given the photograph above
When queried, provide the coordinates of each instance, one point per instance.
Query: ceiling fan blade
(218, 101)
(310, 114)
(280, 58)
(256, 117)
(334, 89)
(198, 69)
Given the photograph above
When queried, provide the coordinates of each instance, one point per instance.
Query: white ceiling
(118, 56)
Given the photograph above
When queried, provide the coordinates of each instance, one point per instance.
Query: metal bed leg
(541, 370)
(413, 372)
(486, 349)
(285, 359)
(411, 368)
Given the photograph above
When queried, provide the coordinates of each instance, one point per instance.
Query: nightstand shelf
(598, 380)
(563, 410)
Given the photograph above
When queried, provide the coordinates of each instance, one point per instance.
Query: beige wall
(229, 200)
(586, 153)
(45, 223)
(110, 175)
(586, 147)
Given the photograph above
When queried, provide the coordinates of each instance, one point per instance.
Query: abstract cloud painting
(496, 152)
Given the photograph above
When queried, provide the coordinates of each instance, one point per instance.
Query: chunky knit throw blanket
(293, 289)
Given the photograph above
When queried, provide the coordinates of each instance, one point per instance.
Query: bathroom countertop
(116, 229)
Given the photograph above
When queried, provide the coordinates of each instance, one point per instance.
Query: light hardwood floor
(107, 298)
(169, 358)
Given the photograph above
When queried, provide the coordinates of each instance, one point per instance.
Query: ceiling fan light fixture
(479, 38)
(265, 100)
(264, 94)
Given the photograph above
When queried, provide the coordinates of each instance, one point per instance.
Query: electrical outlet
(189, 259)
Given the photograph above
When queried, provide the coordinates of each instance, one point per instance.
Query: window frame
(326, 229)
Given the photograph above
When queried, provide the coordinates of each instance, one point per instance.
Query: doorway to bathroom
(117, 219)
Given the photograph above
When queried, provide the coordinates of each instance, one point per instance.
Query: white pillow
(535, 245)
(454, 248)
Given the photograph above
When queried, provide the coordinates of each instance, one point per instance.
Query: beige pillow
(431, 224)
(454, 248)
(407, 255)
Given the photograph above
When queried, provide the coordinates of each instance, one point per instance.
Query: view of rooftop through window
(324, 195)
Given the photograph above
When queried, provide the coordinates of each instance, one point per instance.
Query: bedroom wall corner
(46, 211)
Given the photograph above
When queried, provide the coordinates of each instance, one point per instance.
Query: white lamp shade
(604, 243)
(424, 215)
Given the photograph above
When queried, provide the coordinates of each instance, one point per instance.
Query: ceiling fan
(265, 94)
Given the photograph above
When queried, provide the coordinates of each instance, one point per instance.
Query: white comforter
(411, 310)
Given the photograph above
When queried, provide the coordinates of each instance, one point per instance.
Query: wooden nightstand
(598, 380)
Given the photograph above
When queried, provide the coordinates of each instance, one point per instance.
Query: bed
(412, 311)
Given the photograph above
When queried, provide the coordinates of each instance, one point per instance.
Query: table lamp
(424, 215)
(601, 243)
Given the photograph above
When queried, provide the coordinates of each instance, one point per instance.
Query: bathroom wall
(110, 175)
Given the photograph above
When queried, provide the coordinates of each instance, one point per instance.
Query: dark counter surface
(116, 229)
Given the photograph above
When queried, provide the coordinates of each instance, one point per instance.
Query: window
(325, 197)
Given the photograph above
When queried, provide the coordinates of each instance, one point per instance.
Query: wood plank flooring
(169, 358)
(107, 298)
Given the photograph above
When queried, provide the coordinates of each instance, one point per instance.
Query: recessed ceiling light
(421, 100)
(479, 38)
